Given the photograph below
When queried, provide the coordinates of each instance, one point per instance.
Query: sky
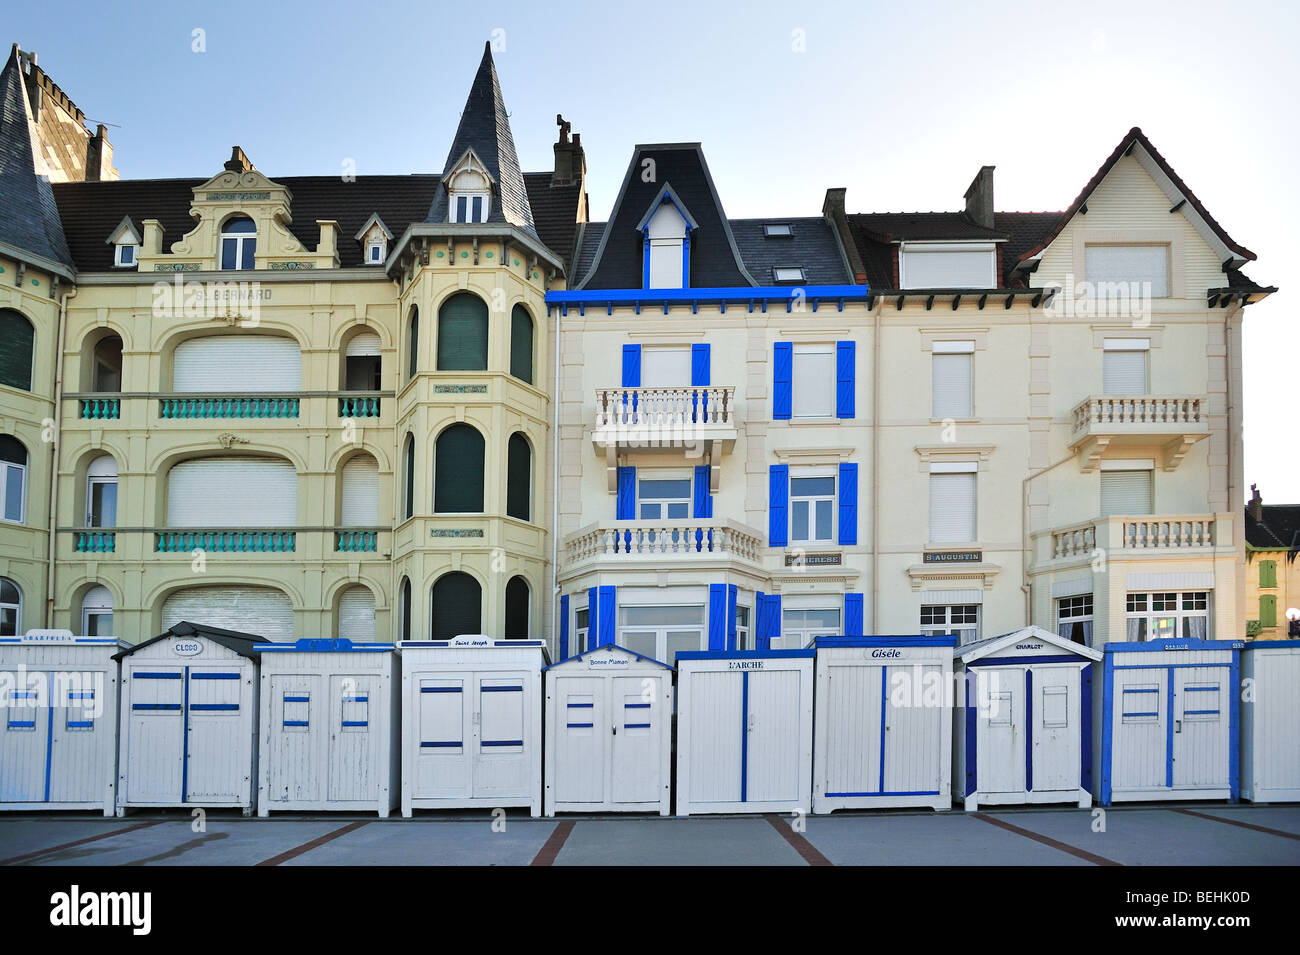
(900, 103)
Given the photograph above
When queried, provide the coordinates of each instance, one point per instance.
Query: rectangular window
(665, 367)
(666, 263)
(664, 499)
(776, 230)
(12, 478)
(580, 630)
(1135, 270)
(462, 209)
(801, 627)
(960, 620)
(1126, 492)
(1166, 614)
(940, 265)
(126, 255)
(952, 504)
(792, 273)
(102, 506)
(814, 381)
(812, 508)
(97, 623)
(1074, 618)
(952, 379)
(1124, 366)
(376, 253)
(476, 211)
(742, 629)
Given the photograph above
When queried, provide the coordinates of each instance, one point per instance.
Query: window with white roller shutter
(362, 362)
(952, 504)
(232, 492)
(1126, 492)
(261, 611)
(1124, 367)
(357, 614)
(952, 366)
(360, 507)
(1135, 266)
(235, 364)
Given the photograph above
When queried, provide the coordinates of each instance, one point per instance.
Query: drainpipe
(61, 340)
(1024, 534)
(555, 486)
(875, 474)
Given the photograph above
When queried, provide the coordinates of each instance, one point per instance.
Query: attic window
(778, 230)
(124, 255)
(469, 193)
(788, 273)
(375, 252)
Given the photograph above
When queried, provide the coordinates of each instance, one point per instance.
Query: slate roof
(29, 219)
(485, 128)
(90, 211)
(812, 245)
(715, 259)
(1279, 530)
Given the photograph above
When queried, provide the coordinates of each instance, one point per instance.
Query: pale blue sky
(900, 102)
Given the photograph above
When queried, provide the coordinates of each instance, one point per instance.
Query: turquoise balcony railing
(358, 406)
(94, 542)
(356, 540)
(99, 408)
(271, 540)
(228, 406)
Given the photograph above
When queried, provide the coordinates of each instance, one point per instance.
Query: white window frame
(796, 638)
(743, 615)
(965, 630)
(373, 247)
(681, 360)
(788, 273)
(1095, 280)
(811, 501)
(661, 631)
(580, 630)
(1141, 606)
(4, 492)
(241, 241)
(955, 467)
(469, 197)
(1069, 610)
(655, 474)
(778, 230)
(1142, 345)
(88, 612)
(945, 348)
(827, 381)
(915, 250)
(91, 483)
(121, 247)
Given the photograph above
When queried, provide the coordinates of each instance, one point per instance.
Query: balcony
(94, 542)
(222, 540)
(1170, 424)
(1159, 536)
(228, 406)
(99, 408)
(672, 544)
(692, 419)
(270, 407)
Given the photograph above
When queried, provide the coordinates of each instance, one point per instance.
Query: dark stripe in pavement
(547, 853)
(801, 845)
(1047, 840)
(308, 846)
(1235, 822)
(77, 842)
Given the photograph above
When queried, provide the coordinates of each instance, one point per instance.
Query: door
(636, 728)
(155, 751)
(217, 761)
(352, 739)
(913, 726)
(1056, 728)
(443, 738)
(773, 719)
(1200, 755)
(297, 723)
(81, 736)
(718, 736)
(501, 763)
(24, 748)
(581, 739)
(855, 696)
(1000, 729)
(1138, 727)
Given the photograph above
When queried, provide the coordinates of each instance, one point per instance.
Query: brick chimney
(238, 162)
(833, 212)
(570, 161)
(979, 197)
(99, 157)
(1255, 506)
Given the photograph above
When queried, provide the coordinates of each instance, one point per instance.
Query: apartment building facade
(448, 403)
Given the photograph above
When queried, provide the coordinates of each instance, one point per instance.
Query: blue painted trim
(502, 742)
(745, 654)
(848, 504)
(917, 792)
(639, 656)
(82, 695)
(782, 381)
(295, 723)
(744, 736)
(441, 689)
(155, 706)
(745, 294)
(185, 742)
(845, 372)
(884, 702)
(1261, 644)
(608, 613)
(355, 723)
(853, 614)
(1201, 712)
(49, 741)
(1169, 729)
(731, 617)
(226, 707)
(1136, 715)
(490, 645)
(830, 643)
(579, 726)
(636, 726)
(1234, 740)
(214, 676)
(778, 505)
(581, 706)
(1085, 727)
(631, 377)
(636, 706)
(717, 618)
(1107, 725)
(156, 676)
(1180, 643)
(518, 688)
(1166, 666)
(1142, 689)
(356, 699)
(26, 725)
(593, 623)
(564, 626)
(1001, 661)
(972, 738)
(1029, 729)
(1214, 688)
(80, 725)
(442, 744)
(297, 699)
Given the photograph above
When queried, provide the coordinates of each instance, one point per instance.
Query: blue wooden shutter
(703, 503)
(848, 503)
(768, 622)
(631, 366)
(760, 621)
(593, 618)
(564, 627)
(782, 379)
(778, 495)
(731, 616)
(607, 615)
(699, 365)
(845, 366)
(717, 616)
(625, 506)
(853, 615)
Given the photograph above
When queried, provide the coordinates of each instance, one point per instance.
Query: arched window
(519, 478)
(521, 344)
(404, 633)
(101, 492)
(97, 612)
(17, 344)
(362, 362)
(13, 479)
(238, 244)
(469, 193)
(359, 493)
(457, 606)
(357, 614)
(458, 471)
(463, 334)
(408, 479)
(11, 608)
(413, 343)
(517, 609)
(106, 376)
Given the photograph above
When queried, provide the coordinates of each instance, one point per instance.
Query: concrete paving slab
(1160, 836)
(938, 839)
(20, 835)
(1284, 818)
(692, 840)
(433, 842)
(173, 842)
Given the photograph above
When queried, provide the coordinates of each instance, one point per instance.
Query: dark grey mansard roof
(485, 128)
(29, 219)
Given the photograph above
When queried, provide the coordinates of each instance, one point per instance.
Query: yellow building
(1272, 577)
(294, 406)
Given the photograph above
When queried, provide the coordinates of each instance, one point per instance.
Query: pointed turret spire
(485, 129)
(29, 219)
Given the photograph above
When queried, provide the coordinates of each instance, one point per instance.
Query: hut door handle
(1178, 726)
(614, 729)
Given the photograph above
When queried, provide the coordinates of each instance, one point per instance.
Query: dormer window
(778, 230)
(469, 189)
(238, 244)
(124, 256)
(940, 265)
(788, 273)
(667, 227)
(375, 253)
(125, 241)
(374, 238)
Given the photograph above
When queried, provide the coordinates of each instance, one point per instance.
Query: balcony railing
(99, 408)
(1133, 412)
(359, 406)
(1133, 536)
(228, 541)
(94, 542)
(351, 541)
(665, 539)
(665, 407)
(229, 406)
